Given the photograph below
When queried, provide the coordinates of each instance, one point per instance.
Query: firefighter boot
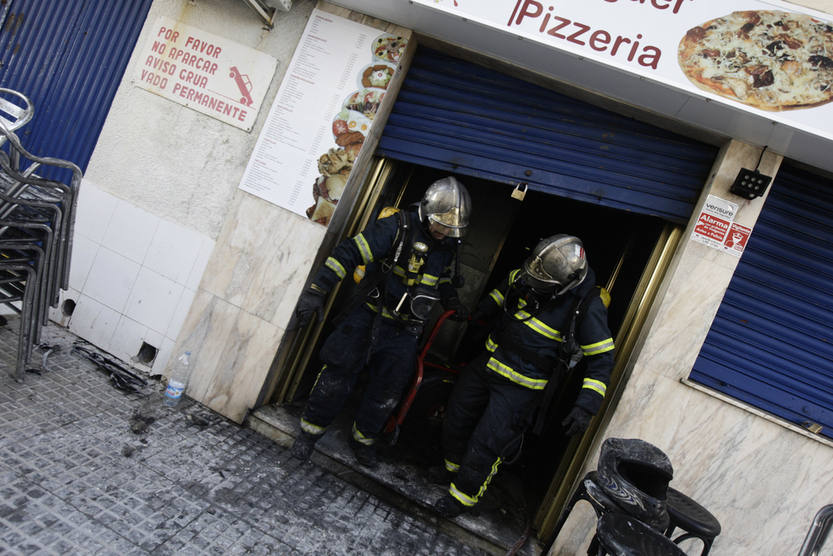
(439, 475)
(365, 454)
(303, 445)
(448, 506)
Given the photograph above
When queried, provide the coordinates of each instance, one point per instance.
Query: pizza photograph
(768, 59)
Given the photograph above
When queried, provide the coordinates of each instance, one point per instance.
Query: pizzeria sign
(770, 58)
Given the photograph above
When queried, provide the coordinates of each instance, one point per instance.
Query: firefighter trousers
(390, 361)
(483, 426)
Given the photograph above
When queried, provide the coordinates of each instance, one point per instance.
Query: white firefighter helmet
(557, 264)
(447, 204)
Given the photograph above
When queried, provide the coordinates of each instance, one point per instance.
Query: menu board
(321, 115)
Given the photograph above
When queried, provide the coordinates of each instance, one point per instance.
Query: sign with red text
(767, 57)
(714, 222)
(736, 239)
(205, 72)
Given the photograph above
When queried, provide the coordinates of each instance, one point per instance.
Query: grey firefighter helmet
(447, 204)
(557, 264)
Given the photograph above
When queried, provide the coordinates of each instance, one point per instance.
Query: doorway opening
(503, 230)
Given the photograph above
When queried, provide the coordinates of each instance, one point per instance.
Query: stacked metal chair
(36, 226)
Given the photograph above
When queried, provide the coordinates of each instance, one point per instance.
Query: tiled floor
(89, 469)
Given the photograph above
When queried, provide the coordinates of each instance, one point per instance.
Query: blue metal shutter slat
(588, 183)
(749, 341)
(482, 164)
(770, 343)
(550, 157)
(68, 58)
(432, 67)
(472, 120)
(547, 137)
(800, 391)
(598, 127)
(760, 395)
(799, 317)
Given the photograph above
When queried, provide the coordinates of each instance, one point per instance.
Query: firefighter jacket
(525, 347)
(413, 272)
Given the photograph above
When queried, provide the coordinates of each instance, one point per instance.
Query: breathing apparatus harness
(520, 296)
(416, 302)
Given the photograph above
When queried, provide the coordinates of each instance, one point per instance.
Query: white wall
(820, 5)
(158, 189)
(133, 276)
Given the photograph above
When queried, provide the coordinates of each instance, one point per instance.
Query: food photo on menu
(351, 124)
(768, 59)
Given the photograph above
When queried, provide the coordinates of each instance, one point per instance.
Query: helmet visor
(536, 277)
(537, 284)
(450, 223)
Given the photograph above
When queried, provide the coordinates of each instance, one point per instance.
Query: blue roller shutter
(771, 343)
(68, 57)
(461, 117)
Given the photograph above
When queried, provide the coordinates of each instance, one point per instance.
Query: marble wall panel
(229, 347)
(262, 259)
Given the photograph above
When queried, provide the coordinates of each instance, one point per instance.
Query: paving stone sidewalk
(90, 469)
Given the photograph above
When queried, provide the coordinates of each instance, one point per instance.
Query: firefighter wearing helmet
(527, 350)
(445, 208)
(408, 258)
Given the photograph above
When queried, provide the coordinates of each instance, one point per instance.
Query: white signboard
(716, 227)
(736, 60)
(322, 113)
(207, 73)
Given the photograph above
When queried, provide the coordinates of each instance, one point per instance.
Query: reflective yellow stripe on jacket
(514, 376)
(364, 249)
(598, 347)
(508, 372)
(543, 329)
(595, 385)
(333, 264)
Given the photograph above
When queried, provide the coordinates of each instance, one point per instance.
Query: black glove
(461, 312)
(311, 302)
(576, 421)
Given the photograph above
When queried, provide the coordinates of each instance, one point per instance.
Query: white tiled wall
(133, 276)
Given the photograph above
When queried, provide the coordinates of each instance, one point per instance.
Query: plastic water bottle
(178, 379)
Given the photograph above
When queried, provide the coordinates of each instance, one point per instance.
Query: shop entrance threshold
(499, 524)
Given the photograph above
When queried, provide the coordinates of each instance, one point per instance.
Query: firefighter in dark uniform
(496, 395)
(414, 252)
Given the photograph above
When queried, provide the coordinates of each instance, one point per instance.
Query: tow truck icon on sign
(244, 84)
